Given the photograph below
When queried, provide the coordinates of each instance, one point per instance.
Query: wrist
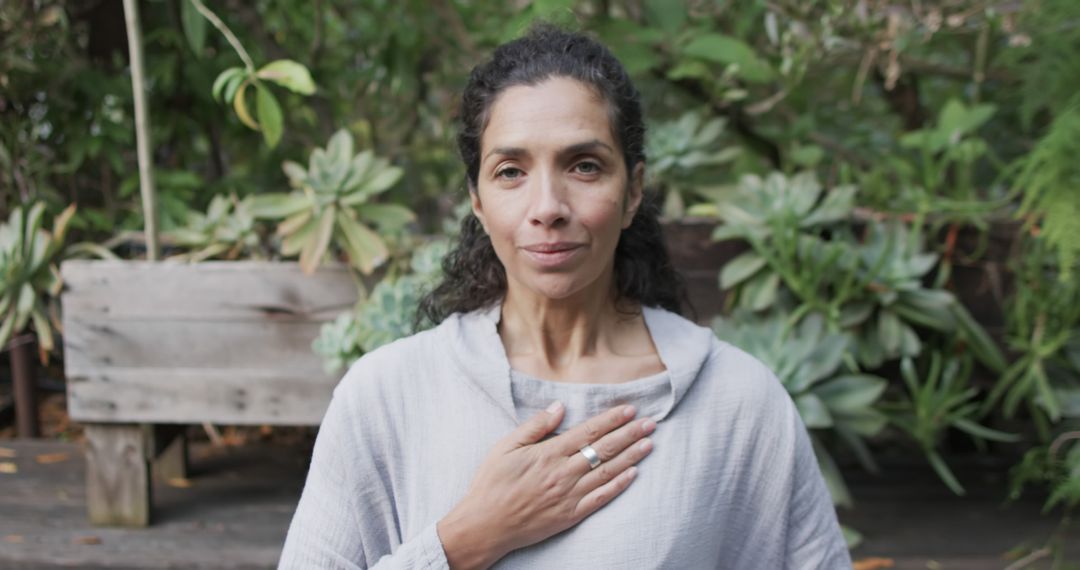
(466, 544)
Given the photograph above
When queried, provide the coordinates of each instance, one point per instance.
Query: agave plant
(679, 149)
(808, 361)
(28, 274)
(331, 205)
(386, 315)
(939, 400)
(226, 230)
(896, 300)
(780, 217)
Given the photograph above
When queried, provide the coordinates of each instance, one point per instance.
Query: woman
(520, 431)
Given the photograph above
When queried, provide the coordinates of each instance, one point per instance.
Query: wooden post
(142, 128)
(24, 381)
(118, 490)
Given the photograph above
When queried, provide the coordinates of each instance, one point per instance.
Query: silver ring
(591, 456)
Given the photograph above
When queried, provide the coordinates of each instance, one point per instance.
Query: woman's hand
(527, 489)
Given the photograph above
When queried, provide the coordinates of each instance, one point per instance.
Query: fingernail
(628, 411)
(645, 445)
(647, 426)
(554, 407)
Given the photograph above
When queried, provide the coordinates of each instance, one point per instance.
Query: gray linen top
(731, 482)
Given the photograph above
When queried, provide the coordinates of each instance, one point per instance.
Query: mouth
(552, 254)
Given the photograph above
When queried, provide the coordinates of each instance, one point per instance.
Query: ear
(477, 207)
(635, 190)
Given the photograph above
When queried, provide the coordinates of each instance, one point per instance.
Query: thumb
(542, 423)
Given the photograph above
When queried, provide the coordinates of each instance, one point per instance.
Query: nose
(549, 205)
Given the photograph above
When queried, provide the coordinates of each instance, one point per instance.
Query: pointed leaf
(277, 205)
(194, 26)
(270, 118)
(240, 106)
(366, 249)
(740, 269)
(315, 248)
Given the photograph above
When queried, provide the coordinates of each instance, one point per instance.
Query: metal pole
(142, 128)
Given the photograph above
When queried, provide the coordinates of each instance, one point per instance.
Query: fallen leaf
(87, 540)
(872, 563)
(6, 452)
(8, 467)
(47, 458)
(14, 538)
(179, 482)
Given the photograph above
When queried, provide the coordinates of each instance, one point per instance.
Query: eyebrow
(577, 148)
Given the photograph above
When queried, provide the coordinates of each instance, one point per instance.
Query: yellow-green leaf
(288, 74)
(43, 330)
(316, 246)
(240, 106)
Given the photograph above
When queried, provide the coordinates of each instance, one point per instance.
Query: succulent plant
(226, 230)
(680, 152)
(937, 400)
(28, 273)
(331, 205)
(387, 313)
(808, 360)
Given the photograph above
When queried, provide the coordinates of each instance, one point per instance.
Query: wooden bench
(150, 348)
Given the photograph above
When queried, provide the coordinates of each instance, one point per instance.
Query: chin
(555, 286)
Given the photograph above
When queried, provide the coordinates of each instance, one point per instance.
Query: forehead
(556, 112)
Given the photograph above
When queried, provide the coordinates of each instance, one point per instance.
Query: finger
(535, 428)
(590, 431)
(609, 470)
(603, 494)
(614, 444)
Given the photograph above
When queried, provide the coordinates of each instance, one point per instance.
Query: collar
(478, 352)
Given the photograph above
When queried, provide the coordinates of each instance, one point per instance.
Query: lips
(552, 254)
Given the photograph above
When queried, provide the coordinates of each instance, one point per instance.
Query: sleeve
(346, 517)
(814, 539)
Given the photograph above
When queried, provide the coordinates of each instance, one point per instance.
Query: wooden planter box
(148, 345)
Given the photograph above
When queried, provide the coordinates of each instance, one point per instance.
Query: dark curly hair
(473, 276)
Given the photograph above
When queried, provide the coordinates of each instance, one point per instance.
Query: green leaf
(366, 249)
(43, 330)
(983, 431)
(813, 411)
(288, 74)
(277, 205)
(269, 115)
(194, 26)
(223, 78)
(944, 472)
(670, 18)
(728, 50)
(740, 269)
(851, 393)
(388, 217)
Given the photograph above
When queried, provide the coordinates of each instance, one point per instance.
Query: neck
(558, 334)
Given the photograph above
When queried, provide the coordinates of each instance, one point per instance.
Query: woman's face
(553, 191)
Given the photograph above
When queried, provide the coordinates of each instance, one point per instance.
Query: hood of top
(477, 349)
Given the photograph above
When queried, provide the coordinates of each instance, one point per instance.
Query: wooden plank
(168, 395)
(212, 290)
(117, 475)
(93, 346)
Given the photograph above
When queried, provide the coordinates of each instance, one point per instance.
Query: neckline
(518, 375)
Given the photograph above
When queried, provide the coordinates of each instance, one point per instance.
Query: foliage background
(881, 132)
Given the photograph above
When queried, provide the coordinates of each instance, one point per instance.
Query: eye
(587, 167)
(509, 173)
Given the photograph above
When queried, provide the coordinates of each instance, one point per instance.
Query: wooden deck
(233, 511)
